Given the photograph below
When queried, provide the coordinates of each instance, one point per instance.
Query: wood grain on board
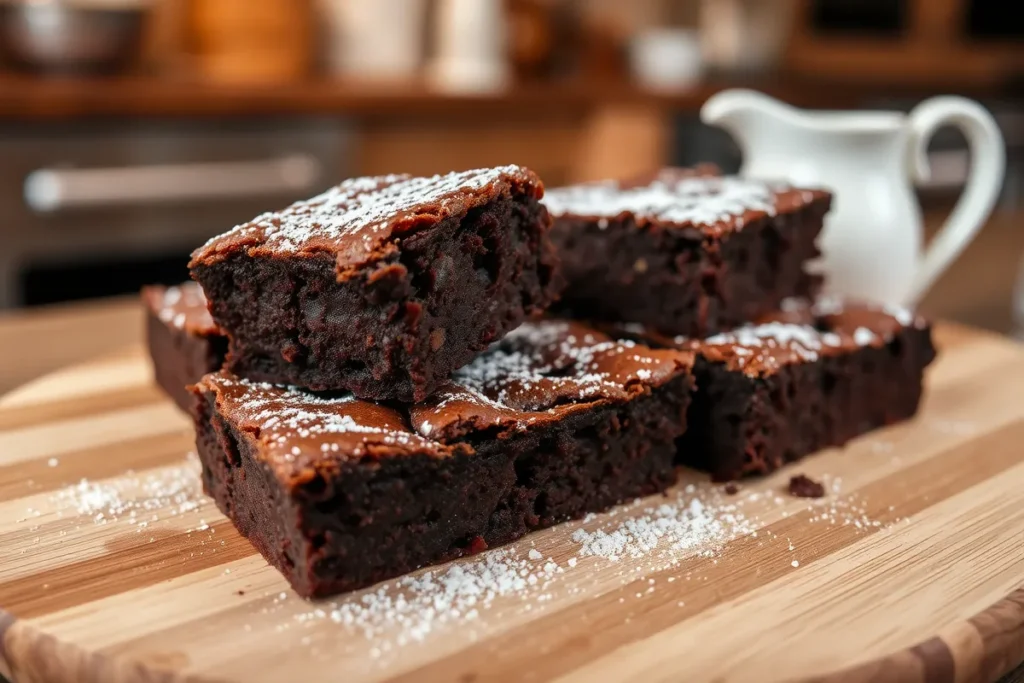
(117, 568)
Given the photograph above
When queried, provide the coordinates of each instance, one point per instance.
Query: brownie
(184, 342)
(685, 251)
(382, 286)
(555, 421)
(805, 378)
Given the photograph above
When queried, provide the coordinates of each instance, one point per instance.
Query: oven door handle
(56, 189)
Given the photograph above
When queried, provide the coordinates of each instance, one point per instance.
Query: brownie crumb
(803, 486)
(731, 488)
(477, 545)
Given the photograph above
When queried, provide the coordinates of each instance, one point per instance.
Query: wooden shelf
(933, 51)
(34, 99)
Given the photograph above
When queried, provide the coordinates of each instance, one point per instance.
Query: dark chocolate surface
(541, 372)
(339, 493)
(805, 378)
(799, 333)
(298, 430)
(383, 286)
(356, 220)
(183, 341)
(684, 251)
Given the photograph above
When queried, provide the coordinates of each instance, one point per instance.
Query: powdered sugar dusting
(862, 336)
(833, 305)
(293, 422)
(421, 603)
(636, 549)
(668, 529)
(524, 579)
(779, 333)
(550, 363)
(182, 305)
(363, 207)
(904, 316)
(772, 345)
(136, 500)
(536, 350)
(689, 200)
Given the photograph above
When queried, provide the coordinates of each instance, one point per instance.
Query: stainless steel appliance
(101, 208)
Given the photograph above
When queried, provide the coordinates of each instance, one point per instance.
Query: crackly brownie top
(363, 216)
(541, 372)
(696, 198)
(798, 333)
(301, 433)
(182, 306)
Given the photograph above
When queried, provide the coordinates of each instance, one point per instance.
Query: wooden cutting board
(116, 568)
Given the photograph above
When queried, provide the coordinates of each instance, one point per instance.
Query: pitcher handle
(988, 163)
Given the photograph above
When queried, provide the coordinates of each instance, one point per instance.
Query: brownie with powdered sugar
(807, 377)
(685, 251)
(554, 421)
(183, 341)
(382, 286)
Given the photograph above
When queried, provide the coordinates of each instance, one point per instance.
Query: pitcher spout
(738, 110)
(735, 110)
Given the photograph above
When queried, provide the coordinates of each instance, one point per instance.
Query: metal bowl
(69, 36)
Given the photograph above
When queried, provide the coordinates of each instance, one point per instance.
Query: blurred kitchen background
(133, 130)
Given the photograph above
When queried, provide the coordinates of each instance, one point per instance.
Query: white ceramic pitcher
(873, 238)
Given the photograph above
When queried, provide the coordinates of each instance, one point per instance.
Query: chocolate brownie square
(183, 341)
(584, 419)
(685, 251)
(555, 421)
(804, 379)
(382, 286)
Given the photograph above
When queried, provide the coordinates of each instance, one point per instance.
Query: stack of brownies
(405, 370)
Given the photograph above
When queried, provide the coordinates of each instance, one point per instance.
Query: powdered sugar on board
(364, 207)
(634, 551)
(135, 500)
(699, 201)
(639, 551)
